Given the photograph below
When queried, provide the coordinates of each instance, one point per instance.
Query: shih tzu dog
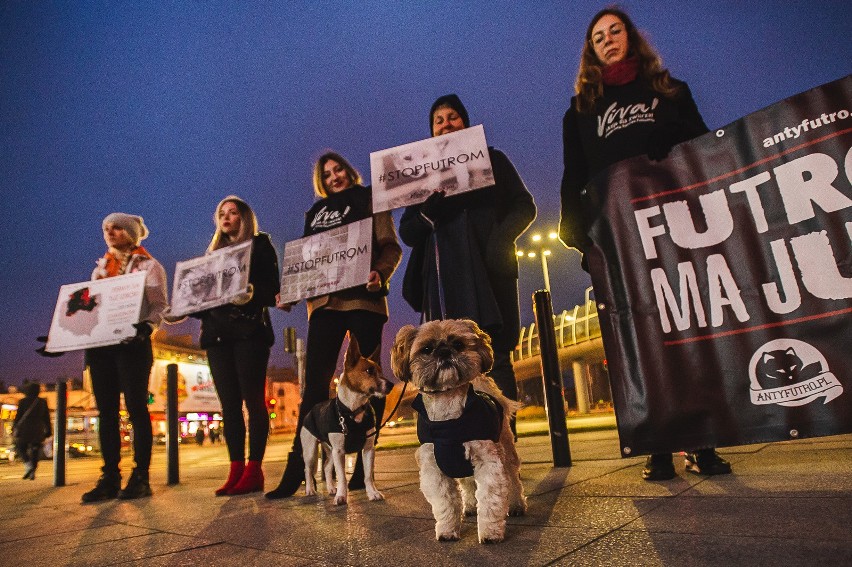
(346, 424)
(467, 458)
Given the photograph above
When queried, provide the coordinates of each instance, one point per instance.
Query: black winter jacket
(239, 322)
(475, 233)
(627, 121)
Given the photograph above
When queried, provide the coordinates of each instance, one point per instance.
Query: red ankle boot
(251, 481)
(234, 476)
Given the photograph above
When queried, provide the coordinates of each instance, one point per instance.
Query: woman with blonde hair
(237, 338)
(361, 311)
(626, 104)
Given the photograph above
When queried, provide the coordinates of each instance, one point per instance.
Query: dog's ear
(483, 347)
(353, 353)
(401, 351)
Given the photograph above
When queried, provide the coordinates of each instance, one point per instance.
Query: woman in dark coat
(238, 337)
(30, 428)
(463, 262)
(626, 105)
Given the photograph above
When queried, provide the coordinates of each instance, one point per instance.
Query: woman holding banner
(126, 367)
(626, 105)
(237, 337)
(473, 234)
(361, 311)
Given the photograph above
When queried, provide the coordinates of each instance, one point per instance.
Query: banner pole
(552, 377)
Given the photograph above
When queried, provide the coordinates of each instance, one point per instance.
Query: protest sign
(329, 261)
(723, 276)
(211, 280)
(407, 174)
(96, 313)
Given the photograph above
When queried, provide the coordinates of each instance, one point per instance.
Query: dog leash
(396, 407)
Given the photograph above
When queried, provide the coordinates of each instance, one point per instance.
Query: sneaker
(707, 462)
(137, 486)
(106, 488)
(659, 467)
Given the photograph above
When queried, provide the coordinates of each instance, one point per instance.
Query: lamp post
(542, 252)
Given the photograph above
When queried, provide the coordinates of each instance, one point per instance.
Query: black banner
(723, 276)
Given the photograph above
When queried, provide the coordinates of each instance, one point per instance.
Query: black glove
(432, 207)
(662, 139)
(143, 331)
(43, 352)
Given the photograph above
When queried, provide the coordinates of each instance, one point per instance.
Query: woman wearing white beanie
(126, 367)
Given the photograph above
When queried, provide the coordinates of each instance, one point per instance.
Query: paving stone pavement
(787, 503)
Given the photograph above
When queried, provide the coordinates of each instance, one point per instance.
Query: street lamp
(542, 252)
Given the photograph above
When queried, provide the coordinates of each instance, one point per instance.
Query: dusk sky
(162, 108)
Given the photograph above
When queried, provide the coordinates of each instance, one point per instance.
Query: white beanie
(133, 225)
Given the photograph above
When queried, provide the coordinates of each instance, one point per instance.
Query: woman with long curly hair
(626, 104)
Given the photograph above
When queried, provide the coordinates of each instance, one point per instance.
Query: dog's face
(441, 355)
(364, 375)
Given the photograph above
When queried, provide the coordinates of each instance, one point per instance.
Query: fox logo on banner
(724, 280)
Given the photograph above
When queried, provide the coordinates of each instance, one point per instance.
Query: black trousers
(326, 331)
(117, 369)
(504, 374)
(29, 453)
(239, 374)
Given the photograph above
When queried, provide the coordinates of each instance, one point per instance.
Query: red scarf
(621, 73)
(115, 267)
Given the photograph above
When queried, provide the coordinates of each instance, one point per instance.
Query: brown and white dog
(468, 462)
(346, 424)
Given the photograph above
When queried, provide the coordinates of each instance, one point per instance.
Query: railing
(578, 325)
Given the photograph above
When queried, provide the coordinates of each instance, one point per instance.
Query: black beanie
(454, 102)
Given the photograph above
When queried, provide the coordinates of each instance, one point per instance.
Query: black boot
(292, 479)
(707, 462)
(659, 467)
(106, 489)
(137, 486)
(356, 481)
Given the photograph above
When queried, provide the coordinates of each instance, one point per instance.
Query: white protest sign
(211, 280)
(96, 313)
(322, 263)
(407, 174)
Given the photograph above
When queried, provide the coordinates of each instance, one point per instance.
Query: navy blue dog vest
(481, 419)
(324, 418)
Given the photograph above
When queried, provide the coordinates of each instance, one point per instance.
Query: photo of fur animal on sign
(336, 259)
(408, 174)
(211, 280)
(96, 313)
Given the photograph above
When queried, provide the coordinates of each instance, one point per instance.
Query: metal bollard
(172, 433)
(60, 428)
(552, 378)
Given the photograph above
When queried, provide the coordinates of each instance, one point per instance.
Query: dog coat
(324, 418)
(481, 418)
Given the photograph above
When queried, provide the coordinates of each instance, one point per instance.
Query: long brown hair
(248, 224)
(319, 186)
(589, 85)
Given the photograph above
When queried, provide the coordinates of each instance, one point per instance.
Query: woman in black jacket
(473, 234)
(31, 427)
(237, 337)
(626, 105)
